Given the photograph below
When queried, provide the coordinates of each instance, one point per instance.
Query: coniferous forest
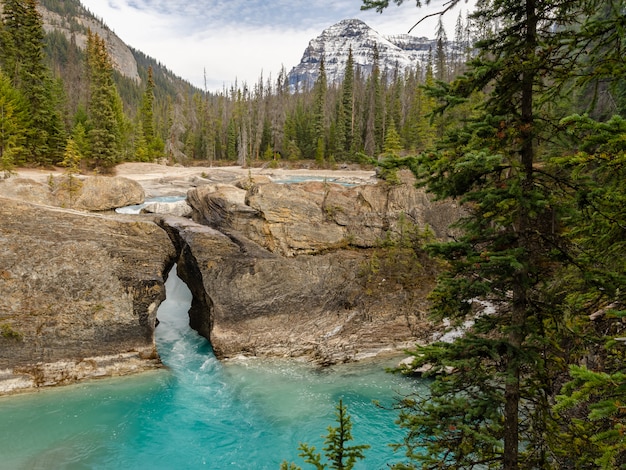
(526, 129)
(112, 118)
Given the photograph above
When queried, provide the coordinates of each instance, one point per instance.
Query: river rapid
(200, 412)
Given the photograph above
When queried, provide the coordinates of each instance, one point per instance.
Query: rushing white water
(200, 412)
(136, 208)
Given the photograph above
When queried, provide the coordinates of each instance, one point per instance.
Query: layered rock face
(123, 58)
(314, 217)
(287, 269)
(80, 294)
(249, 301)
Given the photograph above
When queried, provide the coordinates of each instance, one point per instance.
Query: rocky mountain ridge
(123, 58)
(66, 24)
(401, 51)
(73, 20)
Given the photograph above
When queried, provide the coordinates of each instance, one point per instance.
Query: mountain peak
(333, 44)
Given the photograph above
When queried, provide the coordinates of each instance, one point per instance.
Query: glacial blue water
(199, 413)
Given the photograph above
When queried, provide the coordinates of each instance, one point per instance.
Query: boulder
(101, 193)
(221, 206)
(79, 294)
(94, 193)
(251, 180)
(177, 208)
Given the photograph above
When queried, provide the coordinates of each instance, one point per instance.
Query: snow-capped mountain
(402, 51)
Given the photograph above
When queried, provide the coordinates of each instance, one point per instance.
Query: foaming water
(199, 412)
(136, 208)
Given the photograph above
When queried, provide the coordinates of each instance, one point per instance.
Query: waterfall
(172, 313)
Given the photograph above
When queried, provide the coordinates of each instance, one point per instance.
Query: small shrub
(340, 456)
(6, 331)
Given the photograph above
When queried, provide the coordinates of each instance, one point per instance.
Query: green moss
(7, 331)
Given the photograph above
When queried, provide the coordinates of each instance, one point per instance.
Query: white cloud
(238, 39)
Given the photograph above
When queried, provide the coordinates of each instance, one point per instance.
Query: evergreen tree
(147, 108)
(595, 435)
(104, 105)
(320, 90)
(392, 145)
(441, 60)
(590, 409)
(79, 136)
(489, 405)
(71, 162)
(23, 60)
(339, 454)
(153, 145)
(72, 157)
(231, 146)
(142, 152)
(347, 115)
(13, 125)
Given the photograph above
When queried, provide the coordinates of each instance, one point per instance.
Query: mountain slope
(70, 20)
(73, 20)
(401, 51)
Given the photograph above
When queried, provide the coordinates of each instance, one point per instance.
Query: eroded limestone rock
(75, 286)
(250, 301)
(314, 217)
(177, 208)
(276, 270)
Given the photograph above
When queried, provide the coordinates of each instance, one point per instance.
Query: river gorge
(289, 303)
(199, 412)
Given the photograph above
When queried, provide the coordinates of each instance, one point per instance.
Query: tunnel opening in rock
(187, 271)
(173, 332)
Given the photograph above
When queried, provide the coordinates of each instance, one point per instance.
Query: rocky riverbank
(276, 270)
(80, 293)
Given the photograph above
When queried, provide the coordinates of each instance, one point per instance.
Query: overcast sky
(242, 39)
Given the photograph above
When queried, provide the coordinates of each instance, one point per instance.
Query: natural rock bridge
(276, 270)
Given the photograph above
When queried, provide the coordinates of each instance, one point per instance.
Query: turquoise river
(199, 412)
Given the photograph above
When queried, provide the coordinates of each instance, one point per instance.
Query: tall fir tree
(104, 133)
(441, 58)
(347, 100)
(153, 145)
(320, 90)
(147, 117)
(23, 60)
(13, 125)
(392, 146)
